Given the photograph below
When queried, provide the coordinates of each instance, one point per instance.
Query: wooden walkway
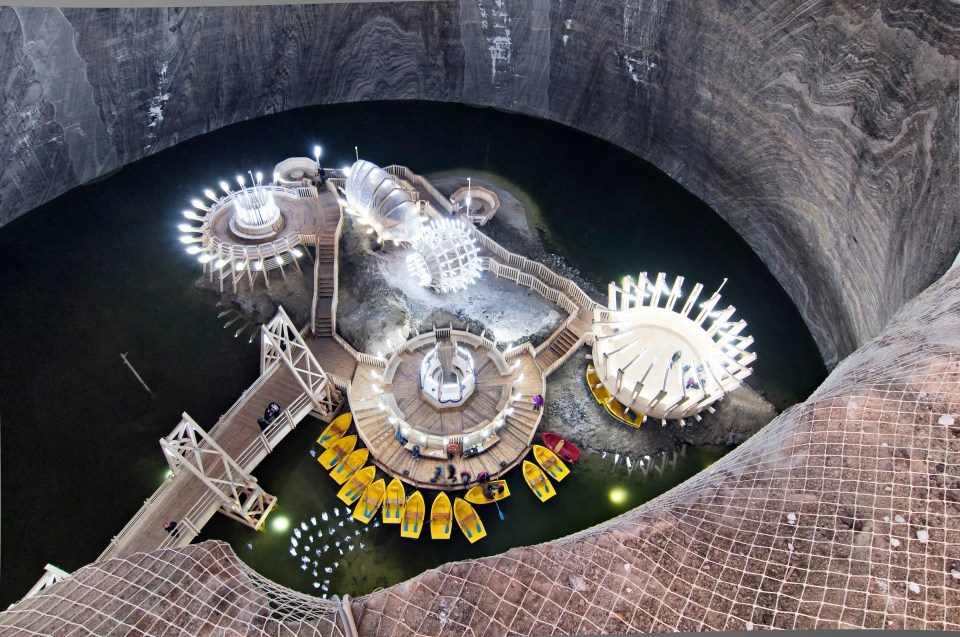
(184, 497)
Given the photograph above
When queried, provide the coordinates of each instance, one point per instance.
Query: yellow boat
(393, 505)
(550, 463)
(372, 499)
(413, 516)
(440, 517)
(537, 481)
(334, 430)
(356, 485)
(468, 520)
(356, 459)
(475, 495)
(612, 406)
(335, 454)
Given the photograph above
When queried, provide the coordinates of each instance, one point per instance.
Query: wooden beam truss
(281, 341)
(190, 447)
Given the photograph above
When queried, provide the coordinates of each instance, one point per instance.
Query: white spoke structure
(659, 361)
(282, 342)
(190, 447)
(446, 258)
(241, 233)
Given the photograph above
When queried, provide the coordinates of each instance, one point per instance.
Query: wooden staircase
(559, 345)
(326, 283)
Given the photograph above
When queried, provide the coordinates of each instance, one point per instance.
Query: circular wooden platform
(498, 416)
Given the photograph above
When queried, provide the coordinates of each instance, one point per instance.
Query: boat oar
(498, 509)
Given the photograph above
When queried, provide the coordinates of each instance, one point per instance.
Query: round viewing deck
(490, 429)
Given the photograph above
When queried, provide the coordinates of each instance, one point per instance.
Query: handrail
(556, 333)
(264, 443)
(552, 367)
(316, 289)
(536, 268)
(419, 182)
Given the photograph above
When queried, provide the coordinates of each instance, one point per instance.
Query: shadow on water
(100, 271)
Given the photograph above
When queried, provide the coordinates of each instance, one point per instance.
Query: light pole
(357, 151)
(316, 155)
(469, 198)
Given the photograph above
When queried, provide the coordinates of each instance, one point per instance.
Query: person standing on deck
(537, 402)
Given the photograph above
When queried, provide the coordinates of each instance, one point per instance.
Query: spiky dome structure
(446, 257)
(656, 359)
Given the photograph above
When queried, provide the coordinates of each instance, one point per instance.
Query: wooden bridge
(211, 471)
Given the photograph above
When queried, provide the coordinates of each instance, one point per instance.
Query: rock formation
(825, 133)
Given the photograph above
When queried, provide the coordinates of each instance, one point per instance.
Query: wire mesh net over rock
(197, 591)
(446, 257)
(382, 202)
(664, 359)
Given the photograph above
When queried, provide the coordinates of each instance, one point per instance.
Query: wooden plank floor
(491, 395)
(332, 357)
(176, 498)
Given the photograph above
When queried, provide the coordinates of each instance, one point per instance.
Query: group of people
(490, 490)
(269, 415)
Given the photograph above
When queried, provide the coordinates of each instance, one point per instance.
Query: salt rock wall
(824, 132)
(843, 512)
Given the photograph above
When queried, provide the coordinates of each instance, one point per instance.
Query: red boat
(560, 446)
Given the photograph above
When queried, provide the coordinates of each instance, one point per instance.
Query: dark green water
(100, 271)
(596, 490)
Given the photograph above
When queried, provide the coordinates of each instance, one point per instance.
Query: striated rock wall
(824, 132)
(843, 512)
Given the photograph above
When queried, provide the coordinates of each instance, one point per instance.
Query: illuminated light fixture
(297, 253)
(220, 263)
(212, 196)
(205, 258)
(186, 227)
(196, 203)
(256, 214)
(194, 250)
(186, 239)
(279, 523)
(446, 257)
(382, 202)
(664, 359)
(239, 265)
(618, 495)
(190, 214)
